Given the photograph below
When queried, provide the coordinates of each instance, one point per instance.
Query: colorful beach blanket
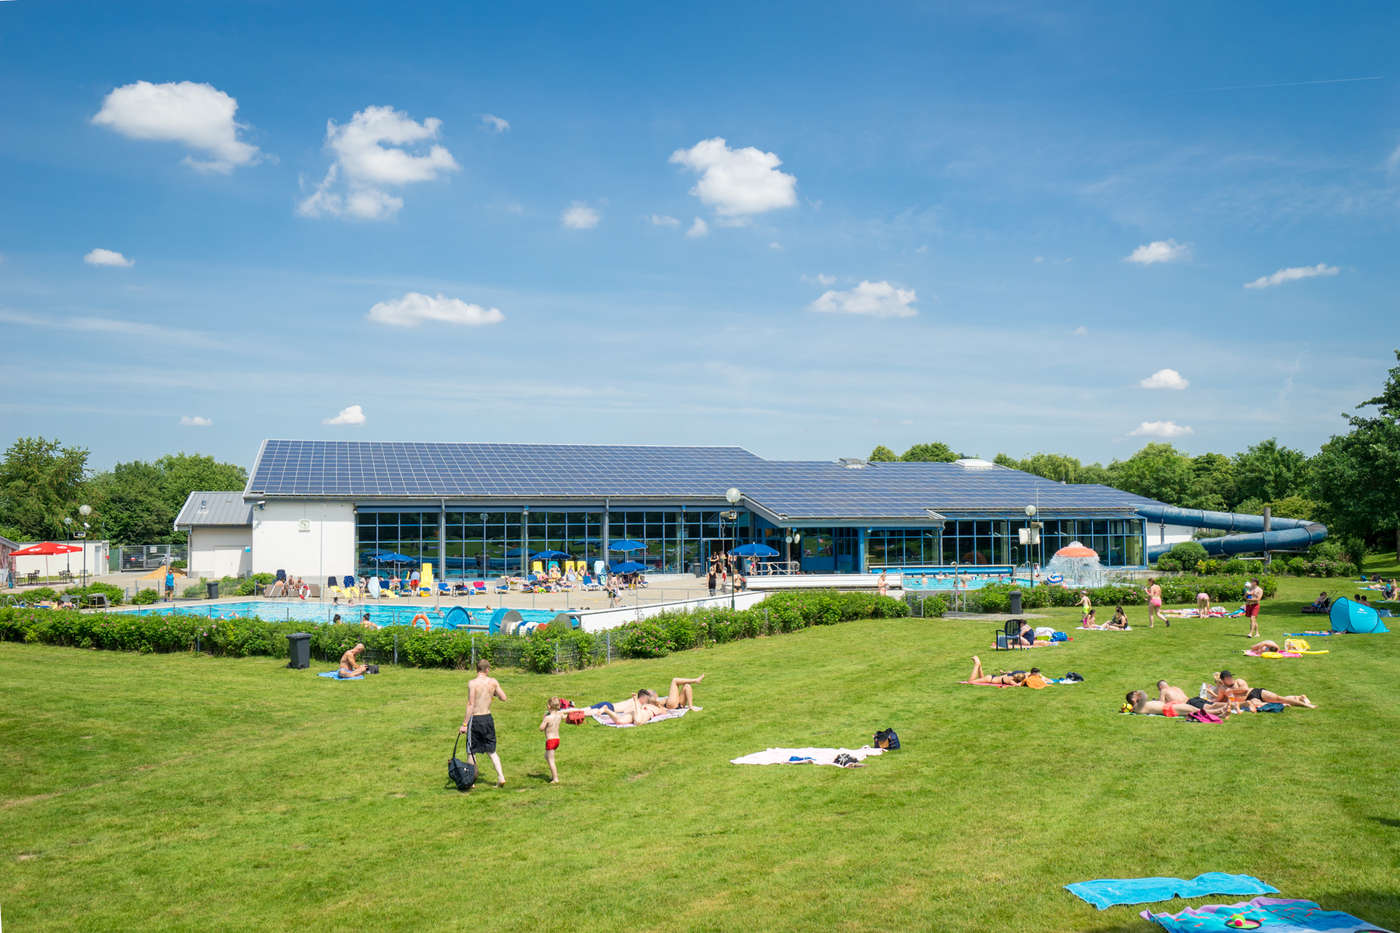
(1267, 914)
(673, 714)
(1110, 892)
(335, 675)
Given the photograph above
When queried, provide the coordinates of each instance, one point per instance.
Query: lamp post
(81, 533)
(1031, 538)
(793, 537)
(733, 497)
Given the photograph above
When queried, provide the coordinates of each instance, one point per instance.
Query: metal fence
(145, 556)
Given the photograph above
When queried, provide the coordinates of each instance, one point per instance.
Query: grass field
(188, 792)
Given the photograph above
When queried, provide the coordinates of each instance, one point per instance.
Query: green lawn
(197, 793)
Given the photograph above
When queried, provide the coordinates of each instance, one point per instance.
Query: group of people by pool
(479, 726)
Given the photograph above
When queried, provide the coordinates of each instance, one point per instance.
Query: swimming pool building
(320, 508)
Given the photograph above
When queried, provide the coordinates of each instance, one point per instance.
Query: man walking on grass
(1253, 593)
(478, 725)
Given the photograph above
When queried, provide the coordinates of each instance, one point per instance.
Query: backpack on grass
(459, 772)
(886, 738)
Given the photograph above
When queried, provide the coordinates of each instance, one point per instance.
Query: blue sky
(805, 229)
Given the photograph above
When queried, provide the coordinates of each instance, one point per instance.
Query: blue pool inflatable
(1349, 616)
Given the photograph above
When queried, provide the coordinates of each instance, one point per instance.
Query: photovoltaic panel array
(794, 489)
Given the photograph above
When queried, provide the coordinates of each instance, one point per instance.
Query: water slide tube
(1284, 534)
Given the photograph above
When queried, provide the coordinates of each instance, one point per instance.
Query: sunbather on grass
(1012, 679)
(1141, 705)
(1170, 695)
(682, 693)
(640, 707)
(1235, 691)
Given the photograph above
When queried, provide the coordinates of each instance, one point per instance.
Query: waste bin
(299, 650)
(212, 588)
(1015, 597)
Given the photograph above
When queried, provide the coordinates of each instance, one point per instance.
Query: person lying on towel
(1001, 678)
(1233, 690)
(1170, 695)
(641, 707)
(1141, 705)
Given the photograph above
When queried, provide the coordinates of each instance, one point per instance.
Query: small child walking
(550, 727)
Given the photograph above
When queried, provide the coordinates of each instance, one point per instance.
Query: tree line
(1352, 483)
(43, 481)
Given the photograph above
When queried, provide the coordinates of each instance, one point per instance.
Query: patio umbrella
(548, 555)
(628, 566)
(754, 550)
(46, 549)
(628, 544)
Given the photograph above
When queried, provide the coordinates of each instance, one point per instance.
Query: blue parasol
(628, 566)
(627, 545)
(754, 550)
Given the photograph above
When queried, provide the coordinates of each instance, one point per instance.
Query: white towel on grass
(672, 714)
(815, 756)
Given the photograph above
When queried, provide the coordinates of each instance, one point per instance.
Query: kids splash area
(323, 510)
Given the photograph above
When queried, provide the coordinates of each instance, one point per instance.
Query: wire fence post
(556, 656)
(396, 648)
(473, 651)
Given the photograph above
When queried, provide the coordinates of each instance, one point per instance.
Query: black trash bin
(1015, 597)
(212, 588)
(299, 650)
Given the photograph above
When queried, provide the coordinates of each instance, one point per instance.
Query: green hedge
(996, 597)
(545, 650)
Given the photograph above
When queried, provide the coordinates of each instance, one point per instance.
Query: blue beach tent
(1348, 616)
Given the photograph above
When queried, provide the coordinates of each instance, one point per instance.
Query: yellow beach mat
(1299, 646)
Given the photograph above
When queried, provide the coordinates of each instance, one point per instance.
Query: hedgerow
(996, 597)
(545, 650)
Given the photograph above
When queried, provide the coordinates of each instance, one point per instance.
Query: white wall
(308, 539)
(96, 560)
(220, 552)
(1168, 534)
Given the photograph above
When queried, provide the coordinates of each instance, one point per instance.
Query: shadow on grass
(1390, 821)
(1380, 908)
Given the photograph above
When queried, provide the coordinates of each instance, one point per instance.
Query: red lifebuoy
(427, 626)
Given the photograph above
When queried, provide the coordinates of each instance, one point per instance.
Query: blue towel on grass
(335, 675)
(1109, 892)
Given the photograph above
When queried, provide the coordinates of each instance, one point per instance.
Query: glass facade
(477, 544)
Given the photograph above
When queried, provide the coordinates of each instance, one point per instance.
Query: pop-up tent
(1348, 616)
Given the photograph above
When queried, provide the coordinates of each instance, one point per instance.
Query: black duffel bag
(459, 772)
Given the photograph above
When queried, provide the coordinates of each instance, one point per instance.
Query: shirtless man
(478, 725)
(1253, 593)
(1175, 696)
(682, 694)
(1145, 707)
(350, 665)
(1014, 679)
(640, 707)
(1234, 690)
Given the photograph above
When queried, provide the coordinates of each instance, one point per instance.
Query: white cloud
(877, 299)
(821, 278)
(737, 183)
(1038, 259)
(1292, 274)
(195, 421)
(775, 245)
(1393, 162)
(351, 414)
(108, 257)
(697, 229)
(664, 220)
(415, 308)
(1165, 379)
(198, 116)
(579, 216)
(371, 154)
(1080, 331)
(494, 123)
(1159, 251)
(1163, 429)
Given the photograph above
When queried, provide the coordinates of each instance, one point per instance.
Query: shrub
(1186, 554)
(42, 594)
(114, 593)
(145, 597)
(645, 639)
(179, 564)
(194, 591)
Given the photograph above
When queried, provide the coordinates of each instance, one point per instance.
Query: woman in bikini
(1013, 679)
(1154, 604)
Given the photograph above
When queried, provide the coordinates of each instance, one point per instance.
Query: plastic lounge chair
(1009, 638)
(478, 586)
(348, 581)
(331, 584)
(502, 587)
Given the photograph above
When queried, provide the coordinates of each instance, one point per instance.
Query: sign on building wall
(303, 524)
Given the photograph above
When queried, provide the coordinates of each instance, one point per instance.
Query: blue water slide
(1247, 534)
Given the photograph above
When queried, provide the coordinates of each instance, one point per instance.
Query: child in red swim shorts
(550, 727)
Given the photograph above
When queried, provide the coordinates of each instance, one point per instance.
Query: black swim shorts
(1255, 694)
(1196, 702)
(483, 734)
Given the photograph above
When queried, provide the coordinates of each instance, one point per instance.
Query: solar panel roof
(783, 489)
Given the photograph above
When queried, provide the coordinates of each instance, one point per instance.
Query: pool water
(918, 581)
(452, 617)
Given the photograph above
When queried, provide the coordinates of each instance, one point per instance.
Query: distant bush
(179, 564)
(145, 597)
(42, 594)
(996, 597)
(1186, 555)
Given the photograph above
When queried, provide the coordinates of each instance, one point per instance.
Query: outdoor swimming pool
(452, 617)
(919, 581)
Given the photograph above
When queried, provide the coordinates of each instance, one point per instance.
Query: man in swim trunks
(478, 725)
(1013, 679)
(641, 707)
(1252, 595)
(350, 665)
(1234, 690)
(1175, 696)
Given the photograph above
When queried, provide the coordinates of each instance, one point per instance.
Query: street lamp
(1031, 538)
(733, 497)
(81, 533)
(793, 537)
